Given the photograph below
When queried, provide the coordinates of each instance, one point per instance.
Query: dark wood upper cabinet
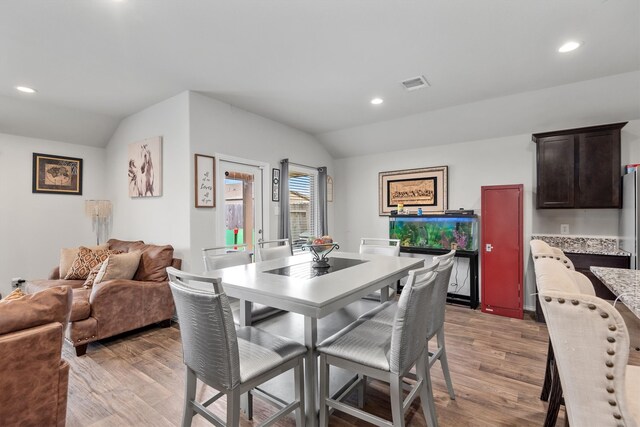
(579, 168)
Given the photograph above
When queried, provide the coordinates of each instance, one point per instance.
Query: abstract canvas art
(145, 168)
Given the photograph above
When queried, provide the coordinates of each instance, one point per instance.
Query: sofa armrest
(122, 305)
(55, 273)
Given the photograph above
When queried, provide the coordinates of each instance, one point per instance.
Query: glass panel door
(241, 203)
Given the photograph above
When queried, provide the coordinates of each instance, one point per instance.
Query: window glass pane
(303, 205)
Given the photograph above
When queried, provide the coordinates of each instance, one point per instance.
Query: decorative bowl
(320, 252)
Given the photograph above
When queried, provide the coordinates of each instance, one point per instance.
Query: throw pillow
(68, 255)
(16, 294)
(92, 275)
(85, 261)
(119, 266)
(154, 262)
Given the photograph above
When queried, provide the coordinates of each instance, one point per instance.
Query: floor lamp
(100, 213)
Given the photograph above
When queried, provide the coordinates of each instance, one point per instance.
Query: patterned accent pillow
(87, 260)
(92, 275)
(16, 294)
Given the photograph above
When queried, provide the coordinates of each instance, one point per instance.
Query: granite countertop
(583, 245)
(623, 283)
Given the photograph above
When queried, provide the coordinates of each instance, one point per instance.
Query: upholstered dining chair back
(225, 256)
(438, 297)
(409, 327)
(554, 276)
(541, 249)
(591, 346)
(375, 246)
(274, 249)
(209, 341)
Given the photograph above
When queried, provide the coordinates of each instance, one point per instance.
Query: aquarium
(435, 231)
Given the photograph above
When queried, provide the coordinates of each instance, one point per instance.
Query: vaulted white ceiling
(313, 65)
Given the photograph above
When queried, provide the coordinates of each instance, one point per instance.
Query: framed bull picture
(145, 168)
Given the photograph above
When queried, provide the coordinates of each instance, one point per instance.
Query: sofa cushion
(68, 255)
(153, 263)
(50, 305)
(125, 245)
(17, 293)
(86, 260)
(33, 286)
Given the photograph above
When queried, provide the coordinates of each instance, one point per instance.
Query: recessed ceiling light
(377, 101)
(569, 46)
(26, 89)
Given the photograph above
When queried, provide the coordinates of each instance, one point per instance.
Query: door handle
(488, 247)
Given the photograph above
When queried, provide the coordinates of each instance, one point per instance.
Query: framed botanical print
(56, 174)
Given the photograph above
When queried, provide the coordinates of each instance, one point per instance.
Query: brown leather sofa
(33, 377)
(116, 306)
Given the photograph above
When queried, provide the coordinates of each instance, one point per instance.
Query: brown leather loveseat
(116, 306)
(33, 377)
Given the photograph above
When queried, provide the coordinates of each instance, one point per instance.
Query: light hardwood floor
(496, 363)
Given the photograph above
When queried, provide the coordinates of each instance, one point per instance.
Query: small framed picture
(275, 185)
(205, 181)
(56, 174)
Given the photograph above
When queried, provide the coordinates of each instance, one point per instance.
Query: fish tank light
(458, 232)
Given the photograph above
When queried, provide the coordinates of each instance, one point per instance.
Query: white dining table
(292, 284)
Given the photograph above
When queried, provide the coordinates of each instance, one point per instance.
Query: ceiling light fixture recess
(415, 83)
(569, 46)
(377, 101)
(25, 89)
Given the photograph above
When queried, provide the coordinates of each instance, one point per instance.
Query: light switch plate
(564, 228)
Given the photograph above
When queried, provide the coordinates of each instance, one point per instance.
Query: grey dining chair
(386, 352)
(225, 256)
(231, 361)
(231, 256)
(274, 249)
(434, 318)
(379, 246)
(591, 346)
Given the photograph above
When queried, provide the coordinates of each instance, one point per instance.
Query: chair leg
(546, 386)
(555, 399)
(444, 364)
(298, 379)
(324, 391)
(397, 414)
(189, 397)
(249, 405)
(362, 390)
(426, 393)
(233, 408)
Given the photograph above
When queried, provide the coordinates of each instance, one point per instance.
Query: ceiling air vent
(415, 83)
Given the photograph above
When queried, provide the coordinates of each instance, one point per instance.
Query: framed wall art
(56, 174)
(329, 189)
(415, 189)
(205, 181)
(275, 185)
(145, 168)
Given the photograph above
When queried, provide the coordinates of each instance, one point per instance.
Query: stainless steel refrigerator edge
(629, 224)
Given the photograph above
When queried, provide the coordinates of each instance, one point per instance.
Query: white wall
(508, 160)
(157, 220)
(35, 226)
(220, 128)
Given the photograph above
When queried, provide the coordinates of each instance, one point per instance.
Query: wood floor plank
(497, 366)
